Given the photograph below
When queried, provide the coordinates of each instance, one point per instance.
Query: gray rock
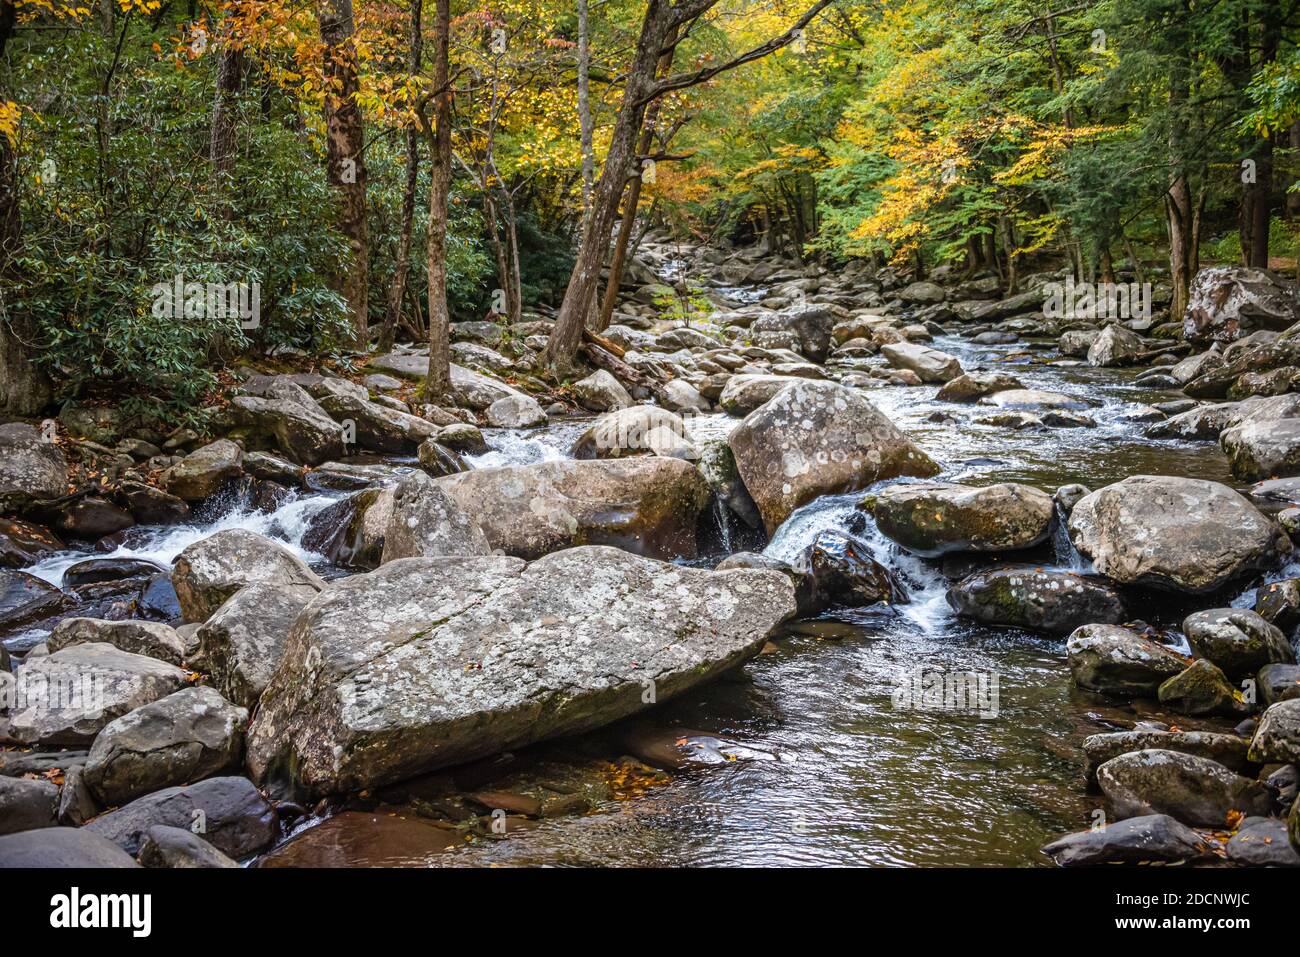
(649, 505)
(350, 533)
(227, 812)
(1174, 533)
(205, 471)
(65, 698)
(1200, 689)
(25, 598)
(72, 847)
(744, 393)
(818, 438)
(1262, 842)
(378, 427)
(601, 392)
(1195, 790)
(1226, 302)
(975, 385)
(427, 663)
(32, 466)
(240, 646)
(515, 412)
(1278, 736)
(184, 737)
(25, 804)
(637, 430)
(301, 429)
(138, 637)
(1151, 838)
(1115, 346)
(1055, 603)
(1119, 662)
(1238, 641)
(933, 518)
(930, 364)
(1227, 749)
(165, 846)
(426, 522)
(1278, 683)
(76, 804)
(212, 569)
(1263, 449)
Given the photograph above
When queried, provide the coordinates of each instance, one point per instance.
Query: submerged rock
(431, 662)
(933, 518)
(818, 438)
(1174, 533)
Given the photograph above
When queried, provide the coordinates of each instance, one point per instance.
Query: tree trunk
(397, 287)
(566, 335)
(345, 162)
(24, 387)
(221, 153)
(437, 382)
(1178, 200)
(584, 107)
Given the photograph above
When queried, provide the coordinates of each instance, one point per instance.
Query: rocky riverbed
(845, 569)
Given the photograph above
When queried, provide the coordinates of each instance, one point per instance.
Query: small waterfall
(928, 609)
(1067, 557)
(723, 516)
(162, 543)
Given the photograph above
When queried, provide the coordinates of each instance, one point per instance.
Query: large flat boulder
(818, 438)
(212, 569)
(430, 662)
(66, 698)
(648, 505)
(1177, 534)
(932, 518)
(375, 426)
(301, 431)
(636, 430)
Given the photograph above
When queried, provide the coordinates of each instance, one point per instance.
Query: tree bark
(1178, 199)
(24, 387)
(345, 160)
(584, 107)
(221, 152)
(397, 287)
(437, 383)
